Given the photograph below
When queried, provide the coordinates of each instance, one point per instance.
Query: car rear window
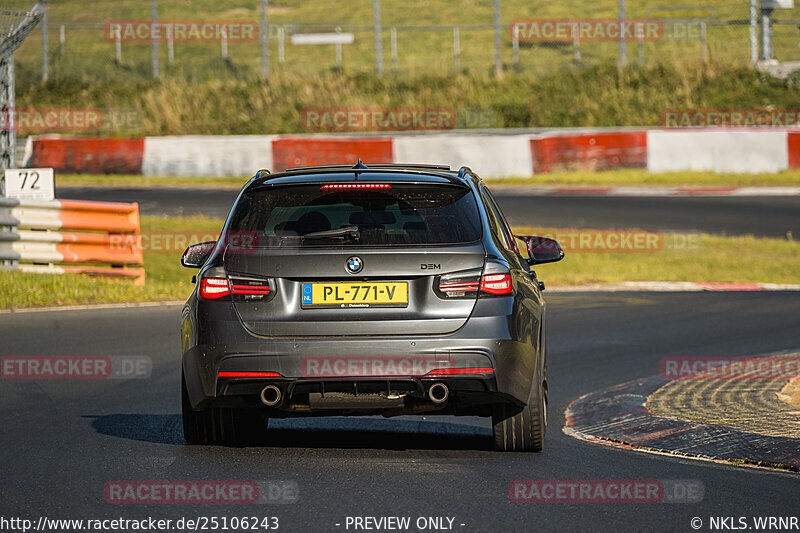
(395, 215)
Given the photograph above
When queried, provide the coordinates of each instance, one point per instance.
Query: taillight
(467, 284)
(459, 284)
(458, 371)
(497, 284)
(249, 375)
(214, 288)
(251, 288)
(455, 287)
(356, 186)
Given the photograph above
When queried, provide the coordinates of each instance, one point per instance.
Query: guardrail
(71, 236)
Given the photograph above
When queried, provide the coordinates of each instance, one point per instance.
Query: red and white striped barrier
(492, 154)
(37, 242)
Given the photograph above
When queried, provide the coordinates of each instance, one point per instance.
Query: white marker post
(29, 184)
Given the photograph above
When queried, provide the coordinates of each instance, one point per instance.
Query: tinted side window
(499, 221)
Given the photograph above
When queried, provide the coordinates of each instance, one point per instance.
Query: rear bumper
(362, 396)
(499, 370)
(504, 347)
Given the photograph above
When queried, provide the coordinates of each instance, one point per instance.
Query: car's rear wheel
(221, 425)
(523, 430)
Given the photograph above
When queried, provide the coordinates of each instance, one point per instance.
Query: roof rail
(463, 171)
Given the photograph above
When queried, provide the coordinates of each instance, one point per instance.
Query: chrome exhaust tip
(438, 393)
(271, 395)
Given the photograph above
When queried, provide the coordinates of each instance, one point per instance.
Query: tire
(522, 430)
(221, 425)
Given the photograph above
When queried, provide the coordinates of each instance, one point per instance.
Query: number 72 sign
(29, 183)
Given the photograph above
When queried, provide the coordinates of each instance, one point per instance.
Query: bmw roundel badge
(354, 265)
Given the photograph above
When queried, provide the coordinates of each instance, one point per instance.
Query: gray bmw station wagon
(355, 290)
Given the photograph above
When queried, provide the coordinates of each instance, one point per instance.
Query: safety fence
(71, 236)
(201, 39)
(492, 154)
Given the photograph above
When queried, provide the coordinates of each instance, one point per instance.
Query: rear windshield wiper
(341, 233)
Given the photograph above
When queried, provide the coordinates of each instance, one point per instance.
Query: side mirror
(542, 250)
(196, 254)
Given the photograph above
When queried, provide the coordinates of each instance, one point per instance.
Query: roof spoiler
(361, 166)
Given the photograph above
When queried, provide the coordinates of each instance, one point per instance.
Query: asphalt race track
(63, 440)
(760, 216)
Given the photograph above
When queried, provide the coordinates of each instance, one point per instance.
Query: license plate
(355, 295)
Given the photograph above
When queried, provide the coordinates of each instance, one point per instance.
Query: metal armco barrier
(71, 236)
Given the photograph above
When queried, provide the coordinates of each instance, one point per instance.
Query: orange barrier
(99, 248)
(99, 216)
(40, 247)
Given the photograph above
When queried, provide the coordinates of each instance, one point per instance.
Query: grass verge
(626, 177)
(148, 182)
(641, 177)
(695, 257)
(600, 96)
(708, 258)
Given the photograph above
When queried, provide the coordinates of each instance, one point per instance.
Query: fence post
(640, 36)
(118, 45)
(154, 44)
(224, 42)
(45, 58)
(264, 35)
(623, 45)
(576, 44)
(393, 35)
(515, 44)
(8, 133)
(62, 38)
(753, 33)
(457, 49)
(281, 53)
(498, 58)
(704, 40)
(766, 34)
(376, 14)
(170, 45)
(338, 49)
